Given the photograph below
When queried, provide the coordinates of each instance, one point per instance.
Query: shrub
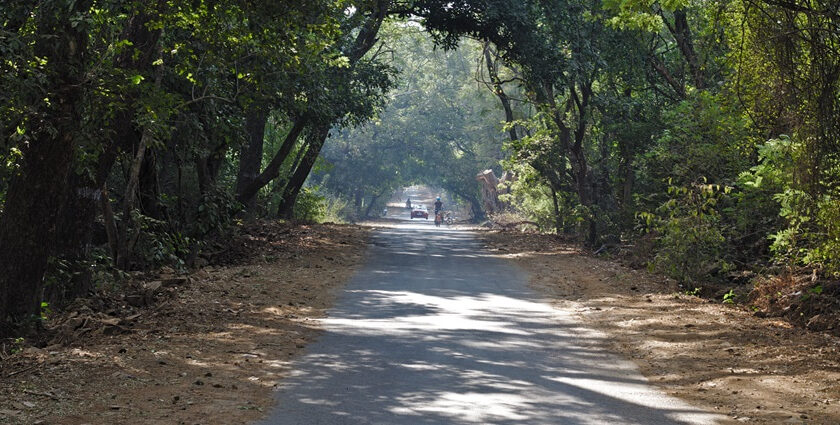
(692, 246)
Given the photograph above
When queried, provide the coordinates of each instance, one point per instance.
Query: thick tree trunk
(273, 169)
(372, 203)
(36, 192)
(73, 242)
(292, 190)
(475, 207)
(251, 152)
(85, 192)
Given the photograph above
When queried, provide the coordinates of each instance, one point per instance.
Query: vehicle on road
(448, 218)
(419, 212)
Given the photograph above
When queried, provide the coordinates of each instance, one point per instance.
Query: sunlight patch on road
(471, 407)
(451, 313)
(642, 395)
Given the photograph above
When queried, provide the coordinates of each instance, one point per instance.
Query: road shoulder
(715, 356)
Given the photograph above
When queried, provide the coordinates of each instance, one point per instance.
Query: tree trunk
(558, 221)
(73, 242)
(208, 167)
(372, 203)
(292, 190)
(148, 186)
(273, 169)
(357, 203)
(251, 152)
(682, 34)
(36, 192)
(85, 192)
(499, 91)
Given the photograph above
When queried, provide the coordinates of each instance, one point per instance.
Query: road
(433, 330)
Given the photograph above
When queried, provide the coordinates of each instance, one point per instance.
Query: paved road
(435, 331)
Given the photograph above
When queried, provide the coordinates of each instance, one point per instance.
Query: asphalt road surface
(434, 330)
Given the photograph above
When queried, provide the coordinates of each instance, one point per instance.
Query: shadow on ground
(436, 330)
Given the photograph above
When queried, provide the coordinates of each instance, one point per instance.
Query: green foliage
(213, 213)
(46, 311)
(310, 205)
(640, 14)
(692, 246)
(702, 137)
(159, 246)
(314, 207)
(17, 345)
(436, 129)
(713, 123)
(730, 297)
(694, 292)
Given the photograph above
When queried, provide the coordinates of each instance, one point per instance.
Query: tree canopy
(132, 131)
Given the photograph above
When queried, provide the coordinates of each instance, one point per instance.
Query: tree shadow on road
(457, 338)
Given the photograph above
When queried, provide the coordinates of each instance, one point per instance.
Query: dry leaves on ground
(208, 345)
(756, 370)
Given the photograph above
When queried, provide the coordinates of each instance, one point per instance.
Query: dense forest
(706, 132)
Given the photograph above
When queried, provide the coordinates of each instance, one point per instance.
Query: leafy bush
(530, 198)
(311, 206)
(214, 212)
(812, 237)
(804, 229)
(703, 137)
(692, 246)
(159, 246)
(333, 208)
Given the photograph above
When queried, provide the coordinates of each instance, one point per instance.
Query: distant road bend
(434, 331)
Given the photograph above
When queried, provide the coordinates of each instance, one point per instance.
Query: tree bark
(36, 192)
(273, 169)
(85, 192)
(558, 221)
(251, 152)
(148, 186)
(660, 68)
(293, 188)
(682, 34)
(372, 203)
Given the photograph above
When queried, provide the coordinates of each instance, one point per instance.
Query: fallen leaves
(232, 327)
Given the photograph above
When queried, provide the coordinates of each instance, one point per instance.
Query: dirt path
(718, 356)
(211, 345)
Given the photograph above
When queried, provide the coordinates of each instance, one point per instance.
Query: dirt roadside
(208, 345)
(213, 344)
(716, 356)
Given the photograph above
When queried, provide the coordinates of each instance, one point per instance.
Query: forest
(704, 133)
